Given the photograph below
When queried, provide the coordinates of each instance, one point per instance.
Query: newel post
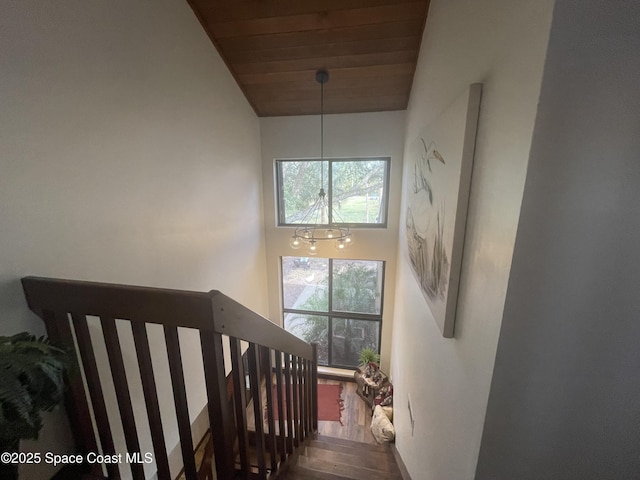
(314, 387)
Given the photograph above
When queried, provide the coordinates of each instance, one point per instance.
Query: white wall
(564, 397)
(500, 43)
(345, 136)
(127, 154)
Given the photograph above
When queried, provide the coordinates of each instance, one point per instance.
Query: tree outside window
(356, 190)
(335, 303)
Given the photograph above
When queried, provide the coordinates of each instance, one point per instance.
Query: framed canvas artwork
(438, 180)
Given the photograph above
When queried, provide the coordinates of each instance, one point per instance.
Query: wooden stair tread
(328, 458)
(355, 449)
(360, 450)
(372, 447)
(345, 470)
(300, 473)
(370, 461)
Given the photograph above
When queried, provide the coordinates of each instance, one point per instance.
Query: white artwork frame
(438, 180)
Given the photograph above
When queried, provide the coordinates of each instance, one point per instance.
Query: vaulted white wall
(127, 154)
(502, 44)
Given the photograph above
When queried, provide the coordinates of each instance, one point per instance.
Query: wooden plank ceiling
(273, 48)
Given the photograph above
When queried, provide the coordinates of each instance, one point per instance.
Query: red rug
(330, 404)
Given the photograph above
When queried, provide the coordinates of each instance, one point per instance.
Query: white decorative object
(381, 427)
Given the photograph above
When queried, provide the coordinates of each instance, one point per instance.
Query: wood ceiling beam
(319, 21)
(226, 10)
(337, 74)
(329, 63)
(256, 43)
(332, 50)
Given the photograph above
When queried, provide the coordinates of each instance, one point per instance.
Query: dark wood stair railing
(273, 355)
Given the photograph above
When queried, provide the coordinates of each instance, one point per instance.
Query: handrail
(180, 308)
(150, 305)
(64, 306)
(234, 319)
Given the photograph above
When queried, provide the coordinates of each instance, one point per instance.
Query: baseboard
(403, 468)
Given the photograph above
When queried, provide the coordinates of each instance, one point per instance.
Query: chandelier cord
(321, 134)
(308, 233)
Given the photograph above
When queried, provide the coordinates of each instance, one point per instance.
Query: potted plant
(31, 381)
(369, 358)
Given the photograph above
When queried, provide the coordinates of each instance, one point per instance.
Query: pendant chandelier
(317, 225)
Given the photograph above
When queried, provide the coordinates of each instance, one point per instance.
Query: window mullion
(280, 190)
(330, 283)
(330, 191)
(330, 319)
(358, 316)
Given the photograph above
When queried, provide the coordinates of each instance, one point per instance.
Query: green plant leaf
(368, 355)
(32, 374)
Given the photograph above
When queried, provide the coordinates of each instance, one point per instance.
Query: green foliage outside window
(357, 190)
(300, 187)
(356, 289)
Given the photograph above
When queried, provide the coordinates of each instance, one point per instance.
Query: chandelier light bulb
(329, 233)
(312, 248)
(294, 242)
(340, 244)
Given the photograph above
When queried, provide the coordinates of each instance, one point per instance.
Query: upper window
(356, 191)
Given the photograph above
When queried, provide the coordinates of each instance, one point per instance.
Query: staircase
(256, 437)
(329, 458)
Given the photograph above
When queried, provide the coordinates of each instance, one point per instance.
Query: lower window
(335, 303)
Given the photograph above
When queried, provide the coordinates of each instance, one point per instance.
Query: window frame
(280, 210)
(330, 313)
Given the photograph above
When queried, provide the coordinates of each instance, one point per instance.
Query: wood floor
(356, 417)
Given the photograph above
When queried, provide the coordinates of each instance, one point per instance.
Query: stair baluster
(64, 305)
